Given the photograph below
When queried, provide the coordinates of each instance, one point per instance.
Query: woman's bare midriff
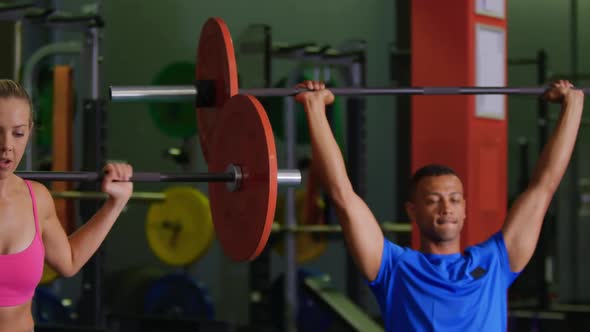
(16, 318)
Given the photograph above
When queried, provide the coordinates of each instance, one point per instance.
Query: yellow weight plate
(49, 275)
(308, 246)
(180, 229)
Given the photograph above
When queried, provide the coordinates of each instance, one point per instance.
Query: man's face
(438, 208)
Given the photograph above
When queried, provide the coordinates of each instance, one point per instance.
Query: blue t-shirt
(456, 292)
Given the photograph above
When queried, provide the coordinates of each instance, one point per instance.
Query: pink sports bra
(21, 272)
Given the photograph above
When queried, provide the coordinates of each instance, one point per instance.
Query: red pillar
(454, 43)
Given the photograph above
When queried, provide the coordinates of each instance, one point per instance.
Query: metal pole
(189, 93)
(137, 177)
(574, 172)
(289, 177)
(357, 163)
(154, 93)
(548, 226)
(386, 91)
(29, 75)
(284, 177)
(260, 270)
(137, 196)
(387, 227)
(574, 39)
(291, 298)
(95, 62)
(94, 135)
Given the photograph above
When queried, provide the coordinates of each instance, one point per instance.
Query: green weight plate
(177, 120)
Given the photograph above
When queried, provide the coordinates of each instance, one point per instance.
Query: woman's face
(15, 129)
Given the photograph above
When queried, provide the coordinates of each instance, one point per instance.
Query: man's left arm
(525, 218)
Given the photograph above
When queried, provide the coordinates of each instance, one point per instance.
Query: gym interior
(162, 267)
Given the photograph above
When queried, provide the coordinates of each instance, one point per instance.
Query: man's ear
(411, 210)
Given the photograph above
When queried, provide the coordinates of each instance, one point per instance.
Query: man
(440, 288)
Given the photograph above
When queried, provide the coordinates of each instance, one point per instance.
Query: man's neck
(440, 248)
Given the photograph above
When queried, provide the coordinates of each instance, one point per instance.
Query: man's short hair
(426, 171)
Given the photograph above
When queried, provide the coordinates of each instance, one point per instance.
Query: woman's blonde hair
(12, 89)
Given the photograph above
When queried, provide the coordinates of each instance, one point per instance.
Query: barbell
(243, 179)
(233, 126)
(216, 80)
(136, 196)
(190, 93)
(233, 177)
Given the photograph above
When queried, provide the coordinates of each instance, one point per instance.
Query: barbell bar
(190, 93)
(136, 196)
(386, 227)
(233, 177)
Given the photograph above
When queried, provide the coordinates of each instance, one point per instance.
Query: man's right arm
(363, 235)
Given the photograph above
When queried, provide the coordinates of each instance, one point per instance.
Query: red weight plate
(216, 62)
(244, 138)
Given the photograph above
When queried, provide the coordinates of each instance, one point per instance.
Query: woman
(30, 231)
